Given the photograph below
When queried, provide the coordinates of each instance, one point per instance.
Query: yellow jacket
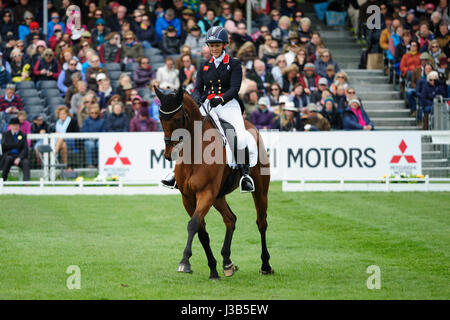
(384, 39)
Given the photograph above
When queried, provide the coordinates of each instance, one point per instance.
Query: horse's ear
(180, 94)
(159, 94)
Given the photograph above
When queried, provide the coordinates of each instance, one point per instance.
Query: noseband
(168, 115)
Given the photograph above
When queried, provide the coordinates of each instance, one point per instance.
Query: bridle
(168, 115)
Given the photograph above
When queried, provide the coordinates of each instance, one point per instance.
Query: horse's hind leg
(260, 199)
(204, 240)
(230, 221)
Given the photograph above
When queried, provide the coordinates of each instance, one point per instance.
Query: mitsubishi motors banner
(293, 155)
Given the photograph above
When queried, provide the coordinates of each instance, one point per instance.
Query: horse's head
(173, 116)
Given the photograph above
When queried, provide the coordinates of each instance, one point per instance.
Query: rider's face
(216, 49)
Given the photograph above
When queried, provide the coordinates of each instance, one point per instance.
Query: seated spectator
(301, 58)
(39, 126)
(355, 117)
(330, 113)
(251, 102)
(281, 33)
(262, 78)
(274, 97)
(171, 43)
(15, 150)
(309, 79)
(341, 78)
(7, 24)
(410, 61)
(241, 36)
(300, 98)
(93, 123)
(65, 56)
(131, 50)
(419, 78)
(100, 33)
(195, 40)
(124, 88)
(56, 37)
(262, 117)
(316, 96)
(330, 73)
(25, 126)
(274, 19)
(5, 74)
(209, 21)
(87, 101)
(110, 50)
(313, 120)
(167, 75)
(65, 123)
(187, 71)
(246, 54)
(117, 120)
(424, 36)
(10, 103)
(28, 24)
(323, 62)
(288, 119)
(428, 92)
(277, 70)
(53, 21)
(164, 22)
(290, 78)
(435, 51)
(20, 69)
(143, 74)
(340, 98)
(47, 67)
(146, 33)
(312, 47)
(142, 122)
(65, 77)
(443, 36)
(79, 91)
(93, 71)
(105, 91)
(304, 31)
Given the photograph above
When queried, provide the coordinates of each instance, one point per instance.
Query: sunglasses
(274, 89)
(94, 113)
(48, 55)
(55, 18)
(72, 64)
(137, 102)
(351, 92)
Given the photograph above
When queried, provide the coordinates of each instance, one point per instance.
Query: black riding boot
(246, 182)
(169, 181)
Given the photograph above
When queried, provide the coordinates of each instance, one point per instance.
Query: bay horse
(205, 185)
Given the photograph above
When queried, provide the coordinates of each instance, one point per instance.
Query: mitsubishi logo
(402, 146)
(117, 148)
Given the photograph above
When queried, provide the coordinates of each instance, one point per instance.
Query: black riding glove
(214, 102)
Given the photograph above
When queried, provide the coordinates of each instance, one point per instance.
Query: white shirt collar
(218, 60)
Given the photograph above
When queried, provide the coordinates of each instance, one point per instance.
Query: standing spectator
(110, 50)
(131, 49)
(47, 67)
(15, 151)
(355, 117)
(171, 43)
(167, 75)
(187, 71)
(167, 20)
(117, 120)
(142, 122)
(93, 123)
(143, 74)
(262, 117)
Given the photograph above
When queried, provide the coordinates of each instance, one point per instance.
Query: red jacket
(409, 62)
(304, 81)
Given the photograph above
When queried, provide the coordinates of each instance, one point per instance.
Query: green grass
(128, 247)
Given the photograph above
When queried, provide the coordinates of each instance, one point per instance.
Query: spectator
(27, 26)
(430, 89)
(131, 49)
(65, 77)
(195, 40)
(419, 78)
(288, 119)
(281, 33)
(110, 50)
(47, 67)
(146, 33)
(209, 21)
(87, 101)
(435, 51)
(54, 20)
(424, 36)
(290, 78)
(443, 36)
(274, 19)
(167, 75)
(21, 70)
(142, 122)
(171, 43)
(300, 98)
(93, 71)
(39, 126)
(105, 91)
(341, 78)
(355, 117)
(309, 79)
(117, 120)
(7, 24)
(330, 74)
(301, 59)
(142, 75)
(100, 33)
(11, 102)
(274, 95)
(25, 126)
(323, 62)
(65, 123)
(304, 31)
(117, 20)
(330, 113)
(77, 98)
(410, 61)
(341, 98)
(15, 151)
(240, 37)
(316, 96)
(93, 123)
(313, 46)
(313, 120)
(167, 20)
(251, 102)
(262, 117)
(277, 70)
(262, 78)
(187, 71)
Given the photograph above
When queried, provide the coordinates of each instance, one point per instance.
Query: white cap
(323, 81)
(100, 76)
(264, 100)
(290, 106)
(283, 99)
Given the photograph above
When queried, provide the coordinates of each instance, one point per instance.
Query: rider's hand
(214, 102)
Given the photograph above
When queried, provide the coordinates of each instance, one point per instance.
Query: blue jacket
(350, 121)
(117, 123)
(91, 125)
(428, 92)
(162, 24)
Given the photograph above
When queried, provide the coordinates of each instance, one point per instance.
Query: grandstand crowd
(100, 78)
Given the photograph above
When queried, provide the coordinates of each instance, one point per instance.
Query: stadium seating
(48, 84)
(30, 101)
(112, 66)
(50, 101)
(28, 93)
(156, 59)
(129, 67)
(152, 51)
(34, 109)
(25, 85)
(50, 93)
(114, 75)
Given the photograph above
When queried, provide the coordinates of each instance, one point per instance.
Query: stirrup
(251, 182)
(169, 181)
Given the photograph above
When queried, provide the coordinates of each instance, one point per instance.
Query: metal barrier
(440, 119)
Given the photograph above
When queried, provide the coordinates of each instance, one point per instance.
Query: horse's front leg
(197, 211)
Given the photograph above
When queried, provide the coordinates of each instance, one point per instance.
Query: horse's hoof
(266, 272)
(229, 270)
(214, 276)
(182, 267)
